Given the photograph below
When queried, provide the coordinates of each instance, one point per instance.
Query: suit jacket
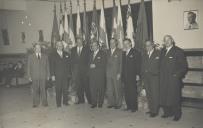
(131, 66)
(114, 63)
(38, 68)
(151, 65)
(100, 63)
(81, 62)
(60, 66)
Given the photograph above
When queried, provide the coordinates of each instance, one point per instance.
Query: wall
(168, 19)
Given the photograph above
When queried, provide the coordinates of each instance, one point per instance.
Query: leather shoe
(93, 106)
(177, 118)
(152, 115)
(117, 107)
(148, 112)
(133, 110)
(109, 106)
(100, 106)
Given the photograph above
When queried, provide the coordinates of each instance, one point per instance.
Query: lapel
(152, 55)
(170, 52)
(130, 52)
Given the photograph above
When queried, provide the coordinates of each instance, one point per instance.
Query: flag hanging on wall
(85, 29)
(94, 33)
(66, 33)
(61, 29)
(71, 30)
(142, 29)
(129, 27)
(114, 21)
(78, 24)
(103, 40)
(119, 29)
(55, 29)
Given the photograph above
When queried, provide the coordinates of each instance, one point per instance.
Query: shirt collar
(169, 48)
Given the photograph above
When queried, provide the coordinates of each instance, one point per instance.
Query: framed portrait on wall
(190, 20)
(5, 36)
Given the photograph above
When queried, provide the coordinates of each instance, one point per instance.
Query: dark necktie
(38, 56)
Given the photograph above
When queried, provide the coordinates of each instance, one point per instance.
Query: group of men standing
(113, 73)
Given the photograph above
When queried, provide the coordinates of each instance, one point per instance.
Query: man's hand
(30, 79)
(92, 65)
(53, 78)
(118, 76)
(137, 77)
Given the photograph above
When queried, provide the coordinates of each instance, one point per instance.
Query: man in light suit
(113, 73)
(131, 68)
(97, 75)
(38, 73)
(173, 67)
(61, 73)
(150, 76)
(80, 56)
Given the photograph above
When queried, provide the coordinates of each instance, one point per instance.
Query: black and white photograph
(101, 64)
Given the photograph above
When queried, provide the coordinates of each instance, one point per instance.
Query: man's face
(112, 44)
(149, 46)
(79, 42)
(190, 18)
(168, 41)
(95, 46)
(38, 48)
(59, 46)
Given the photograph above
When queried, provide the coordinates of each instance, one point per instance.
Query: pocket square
(116, 56)
(67, 56)
(157, 58)
(170, 57)
(98, 57)
(131, 56)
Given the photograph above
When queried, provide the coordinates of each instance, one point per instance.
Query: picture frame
(191, 20)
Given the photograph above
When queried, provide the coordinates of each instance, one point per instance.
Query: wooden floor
(16, 112)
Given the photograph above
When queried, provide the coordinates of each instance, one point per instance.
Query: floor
(16, 112)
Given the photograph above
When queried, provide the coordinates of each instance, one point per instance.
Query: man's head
(168, 41)
(79, 41)
(149, 45)
(191, 16)
(59, 45)
(95, 45)
(113, 43)
(37, 48)
(127, 43)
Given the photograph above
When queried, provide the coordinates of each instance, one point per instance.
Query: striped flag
(78, 23)
(114, 21)
(71, 30)
(55, 30)
(61, 29)
(94, 33)
(66, 34)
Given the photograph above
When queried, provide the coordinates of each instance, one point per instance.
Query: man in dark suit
(173, 68)
(79, 62)
(38, 73)
(97, 75)
(61, 73)
(150, 76)
(113, 75)
(130, 74)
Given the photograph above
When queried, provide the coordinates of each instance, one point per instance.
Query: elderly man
(192, 23)
(97, 75)
(150, 76)
(61, 73)
(130, 74)
(173, 67)
(79, 60)
(38, 73)
(113, 73)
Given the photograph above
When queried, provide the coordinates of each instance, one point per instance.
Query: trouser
(83, 88)
(39, 92)
(62, 86)
(151, 83)
(172, 110)
(131, 96)
(114, 92)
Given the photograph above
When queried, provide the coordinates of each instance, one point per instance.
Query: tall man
(150, 76)
(61, 73)
(113, 73)
(80, 59)
(173, 68)
(38, 73)
(97, 75)
(130, 74)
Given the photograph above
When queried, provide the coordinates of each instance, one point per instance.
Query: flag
(85, 29)
(119, 29)
(129, 27)
(61, 29)
(103, 40)
(94, 33)
(78, 23)
(55, 29)
(66, 34)
(71, 30)
(114, 21)
(142, 29)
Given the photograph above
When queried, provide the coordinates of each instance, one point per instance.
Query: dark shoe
(66, 104)
(117, 107)
(152, 115)
(58, 106)
(34, 106)
(177, 118)
(127, 109)
(46, 105)
(164, 116)
(109, 106)
(148, 112)
(100, 106)
(93, 106)
(133, 110)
